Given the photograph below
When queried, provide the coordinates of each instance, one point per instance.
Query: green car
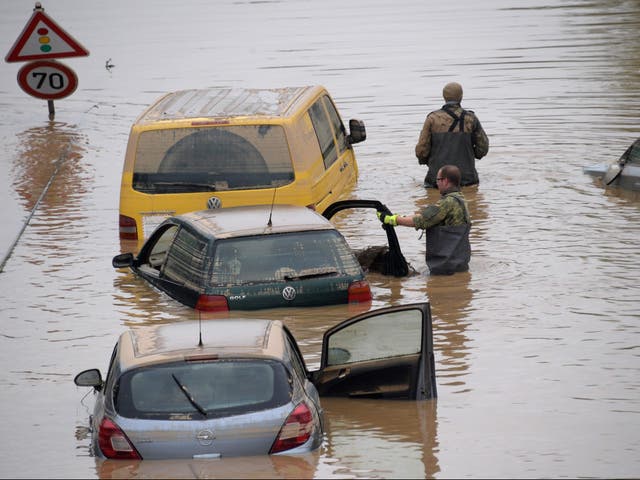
(250, 257)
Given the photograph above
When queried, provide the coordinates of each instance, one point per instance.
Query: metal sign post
(41, 41)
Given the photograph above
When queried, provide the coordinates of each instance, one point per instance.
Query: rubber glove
(388, 219)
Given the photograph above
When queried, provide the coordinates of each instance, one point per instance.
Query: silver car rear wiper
(192, 401)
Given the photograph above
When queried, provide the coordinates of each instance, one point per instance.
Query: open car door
(394, 262)
(384, 353)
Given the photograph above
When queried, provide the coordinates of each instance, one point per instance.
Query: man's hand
(388, 219)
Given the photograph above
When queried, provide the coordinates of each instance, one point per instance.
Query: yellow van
(225, 147)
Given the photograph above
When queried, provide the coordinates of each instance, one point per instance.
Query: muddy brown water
(536, 346)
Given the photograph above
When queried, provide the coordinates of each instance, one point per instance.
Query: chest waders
(452, 147)
(448, 248)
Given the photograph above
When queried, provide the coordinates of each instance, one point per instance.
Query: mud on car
(247, 258)
(234, 387)
(224, 147)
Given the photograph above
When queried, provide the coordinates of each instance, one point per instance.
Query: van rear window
(217, 388)
(212, 159)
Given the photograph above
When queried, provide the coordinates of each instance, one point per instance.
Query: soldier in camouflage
(447, 225)
(452, 135)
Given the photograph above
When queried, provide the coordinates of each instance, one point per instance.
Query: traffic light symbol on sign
(45, 46)
(42, 38)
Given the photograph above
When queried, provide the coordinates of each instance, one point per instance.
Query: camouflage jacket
(448, 211)
(439, 121)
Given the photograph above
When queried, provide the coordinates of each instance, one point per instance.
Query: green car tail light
(212, 303)
(359, 292)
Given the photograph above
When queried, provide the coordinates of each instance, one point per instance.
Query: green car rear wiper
(303, 276)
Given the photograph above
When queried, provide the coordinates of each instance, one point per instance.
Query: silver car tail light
(114, 443)
(296, 430)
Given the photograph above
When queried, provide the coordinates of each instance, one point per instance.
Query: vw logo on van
(288, 293)
(205, 437)
(214, 202)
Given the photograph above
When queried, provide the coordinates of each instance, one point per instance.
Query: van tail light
(114, 443)
(359, 292)
(296, 430)
(212, 303)
(128, 228)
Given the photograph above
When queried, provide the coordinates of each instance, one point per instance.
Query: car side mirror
(123, 260)
(357, 132)
(89, 378)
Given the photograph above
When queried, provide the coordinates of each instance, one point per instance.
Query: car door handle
(343, 166)
(344, 372)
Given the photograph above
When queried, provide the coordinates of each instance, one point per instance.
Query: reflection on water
(450, 302)
(272, 466)
(382, 438)
(535, 347)
(49, 159)
(48, 176)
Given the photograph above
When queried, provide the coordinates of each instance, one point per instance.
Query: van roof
(217, 103)
(254, 220)
(244, 338)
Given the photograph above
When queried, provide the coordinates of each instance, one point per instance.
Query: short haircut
(451, 173)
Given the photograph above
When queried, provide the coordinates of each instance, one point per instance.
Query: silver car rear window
(282, 257)
(211, 389)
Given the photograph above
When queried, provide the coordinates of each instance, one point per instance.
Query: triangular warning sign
(44, 38)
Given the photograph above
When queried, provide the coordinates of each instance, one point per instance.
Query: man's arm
(480, 140)
(429, 216)
(423, 148)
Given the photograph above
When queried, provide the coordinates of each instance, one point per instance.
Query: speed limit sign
(47, 79)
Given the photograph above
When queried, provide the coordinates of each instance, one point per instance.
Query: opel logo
(288, 293)
(205, 437)
(214, 202)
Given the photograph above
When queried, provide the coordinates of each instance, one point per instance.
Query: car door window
(391, 335)
(296, 359)
(385, 353)
(112, 362)
(187, 260)
(336, 122)
(158, 252)
(324, 132)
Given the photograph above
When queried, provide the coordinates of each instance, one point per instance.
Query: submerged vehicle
(260, 256)
(226, 147)
(248, 258)
(625, 173)
(237, 387)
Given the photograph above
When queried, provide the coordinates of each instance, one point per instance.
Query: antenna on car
(272, 202)
(200, 328)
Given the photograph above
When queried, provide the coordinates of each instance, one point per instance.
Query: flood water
(537, 347)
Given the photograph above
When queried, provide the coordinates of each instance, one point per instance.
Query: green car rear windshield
(213, 389)
(283, 257)
(212, 159)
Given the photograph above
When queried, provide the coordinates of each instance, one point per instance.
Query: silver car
(221, 388)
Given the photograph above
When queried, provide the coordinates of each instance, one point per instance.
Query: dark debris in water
(377, 259)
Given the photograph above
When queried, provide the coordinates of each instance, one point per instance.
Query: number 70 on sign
(47, 79)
